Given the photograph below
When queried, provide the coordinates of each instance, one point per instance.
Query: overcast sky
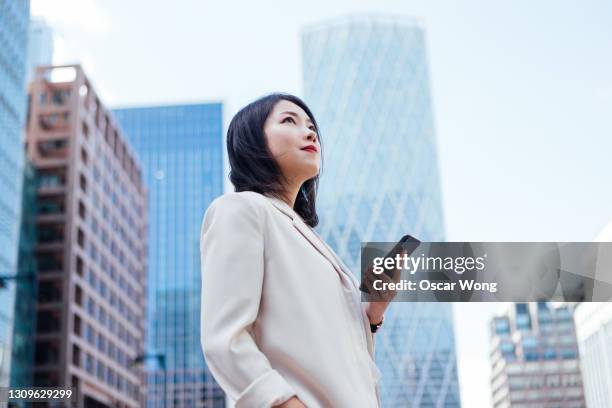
(522, 95)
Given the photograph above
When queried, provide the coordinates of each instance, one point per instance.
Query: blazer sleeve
(232, 262)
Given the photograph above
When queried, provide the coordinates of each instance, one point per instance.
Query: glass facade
(40, 48)
(366, 80)
(181, 151)
(14, 22)
(24, 327)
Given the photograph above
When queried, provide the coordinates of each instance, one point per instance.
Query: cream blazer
(281, 314)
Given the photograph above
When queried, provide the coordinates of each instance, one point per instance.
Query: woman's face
(292, 139)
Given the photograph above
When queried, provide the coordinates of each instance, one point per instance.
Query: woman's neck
(290, 194)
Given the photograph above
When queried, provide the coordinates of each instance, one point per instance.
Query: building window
(77, 325)
(60, 97)
(89, 364)
(76, 355)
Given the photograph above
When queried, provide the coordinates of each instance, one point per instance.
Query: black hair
(253, 168)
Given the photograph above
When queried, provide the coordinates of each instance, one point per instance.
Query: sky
(522, 95)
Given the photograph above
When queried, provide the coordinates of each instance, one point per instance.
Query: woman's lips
(311, 149)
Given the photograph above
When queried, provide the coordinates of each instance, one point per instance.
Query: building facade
(24, 326)
(181, 147)
(14, 21)
(594, 333)
(91, 251)
(40, 46)
(534, 357)
(366, 79)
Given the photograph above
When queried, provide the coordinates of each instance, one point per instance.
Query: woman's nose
(312, 136)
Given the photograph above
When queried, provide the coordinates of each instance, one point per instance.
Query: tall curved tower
(366, 80)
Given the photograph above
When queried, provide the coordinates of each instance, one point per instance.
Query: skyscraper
(366, 80)
(534, 357)
(40, 47)
(181, 147)
(594, 333)
(14, 21)
(91, 245)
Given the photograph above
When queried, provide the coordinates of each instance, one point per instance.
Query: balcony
(54, 121)
(53, 149)
(50, 235)
(50, 261)
(51, 208)
(52, 180)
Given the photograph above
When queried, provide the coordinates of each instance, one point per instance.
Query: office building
(534, 357)
(594, 333)
(40, 46)
(366, 78)
(91, 251)
(14, 21)
(181, 147)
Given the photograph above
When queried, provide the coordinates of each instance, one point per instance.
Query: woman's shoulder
(235, 203)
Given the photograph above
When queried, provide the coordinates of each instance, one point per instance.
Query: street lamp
(161, 360)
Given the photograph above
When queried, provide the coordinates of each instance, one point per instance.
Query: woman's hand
(292, 402)
(379, 300)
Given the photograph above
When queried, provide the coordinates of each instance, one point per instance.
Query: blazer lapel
(338, 265)
(309, 234)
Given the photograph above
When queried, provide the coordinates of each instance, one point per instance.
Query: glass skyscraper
(14, 21)
(366, 80)
(181, 150)
(40, 48)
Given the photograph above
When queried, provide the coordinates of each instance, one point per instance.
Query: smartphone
(407, 243)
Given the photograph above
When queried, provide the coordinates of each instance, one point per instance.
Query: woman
(282, 322)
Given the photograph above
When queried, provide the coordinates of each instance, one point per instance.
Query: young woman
(282, 323)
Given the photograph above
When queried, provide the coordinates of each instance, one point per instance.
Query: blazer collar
(342, 270)
(310, 234)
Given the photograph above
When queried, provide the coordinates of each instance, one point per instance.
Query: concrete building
(534, 357)
(91, 246)
(594, 333)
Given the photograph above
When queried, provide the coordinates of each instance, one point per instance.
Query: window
(50, 291)
(60, 96)
(81, 238)
(568, 354)
(100, 370)
(89, 364)
(84, 156)
(101, 343)
(89, 334)
(47, 352)
(550, 354)
(78, 295)
(91, 306)
(77, 325)
(79, 266)
(76, 355)
(83, 183)
(48, 321)
(85, 130)
(82, 211)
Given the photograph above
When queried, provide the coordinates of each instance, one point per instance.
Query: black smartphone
(407, 243)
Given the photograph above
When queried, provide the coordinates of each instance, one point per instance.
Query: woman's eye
(288, 118)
